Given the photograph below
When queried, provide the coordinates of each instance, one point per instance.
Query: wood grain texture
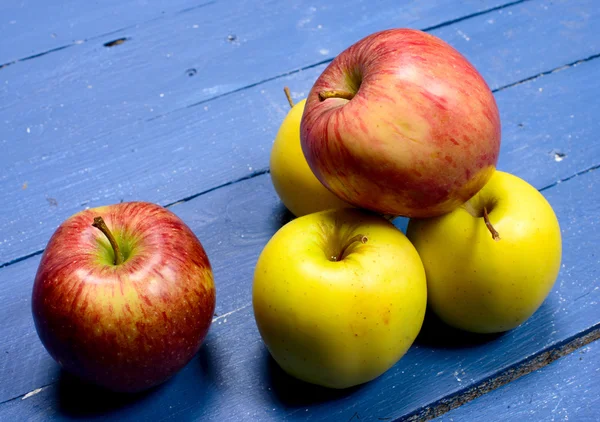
(34, 27)
(567, 389)
(87, 125)
(96, 149)
(233, 378)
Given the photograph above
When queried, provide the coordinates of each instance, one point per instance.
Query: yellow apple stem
(334, 93)
(358, 238)
(101, 225)
(486, 218)
(288, 96)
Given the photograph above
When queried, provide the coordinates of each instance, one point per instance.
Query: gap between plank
(188, 9)
(267, 171)
(241, 179)
(547, 72)
(582, 172)
(474, 15)
(95, 37)
(503, 377)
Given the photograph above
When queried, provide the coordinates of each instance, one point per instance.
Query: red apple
(401, 123)
(124, 295)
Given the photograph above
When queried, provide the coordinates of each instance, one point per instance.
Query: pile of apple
(399, 124)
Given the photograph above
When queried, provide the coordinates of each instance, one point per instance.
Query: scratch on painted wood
(32, 393)
(230, 312)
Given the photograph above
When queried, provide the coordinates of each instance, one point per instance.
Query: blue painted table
(178, 103)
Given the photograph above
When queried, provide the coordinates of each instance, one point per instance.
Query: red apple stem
(493, 231)
(358, 238)
(334, 93)
(288, 96)
(101, 225)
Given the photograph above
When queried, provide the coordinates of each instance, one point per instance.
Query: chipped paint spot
(465, 36)
(32, 393)
(229, 313)
(559, 156)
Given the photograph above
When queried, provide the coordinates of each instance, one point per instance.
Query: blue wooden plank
(222, 363)
(231, 224)
(567, 389)
(233, 377)
(91, 158)
(226, 50)
(34, 27)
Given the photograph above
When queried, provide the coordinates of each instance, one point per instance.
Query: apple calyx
(334, 93)
(488, 224)
(288, 96)
(101, 225)
(358, 238)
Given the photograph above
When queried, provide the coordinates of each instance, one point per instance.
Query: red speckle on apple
(126, 326)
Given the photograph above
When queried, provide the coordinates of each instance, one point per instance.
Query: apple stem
(101, 225)
(334, 93)
(288, 96)
(493, 231)
(389, 217)
(358, 238)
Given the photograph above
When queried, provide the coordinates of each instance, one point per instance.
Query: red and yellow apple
(124, 295)
(297, 187)
(402, 124)
(492, 262)
(339, 296)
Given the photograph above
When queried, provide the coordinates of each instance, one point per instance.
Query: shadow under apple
(538, 328)
(293, 393)
(77, 398)
(438, 335)
(280, 216)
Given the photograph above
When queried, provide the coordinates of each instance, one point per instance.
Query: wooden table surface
(182, 111)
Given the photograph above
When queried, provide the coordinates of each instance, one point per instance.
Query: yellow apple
(297, 186)
(339, 296)
(481, 284)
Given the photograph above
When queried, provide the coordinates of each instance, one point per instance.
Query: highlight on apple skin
(401, 123)
(126, 323)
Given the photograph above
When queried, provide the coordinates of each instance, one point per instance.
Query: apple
(491, 262)
(123, 296)
(297, 187)
(402, 124)
(339, 296)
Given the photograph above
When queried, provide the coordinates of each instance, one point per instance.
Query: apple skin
(297, 187)
(481, 285)
(131, 326)
(338, 324)
(419, 135)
